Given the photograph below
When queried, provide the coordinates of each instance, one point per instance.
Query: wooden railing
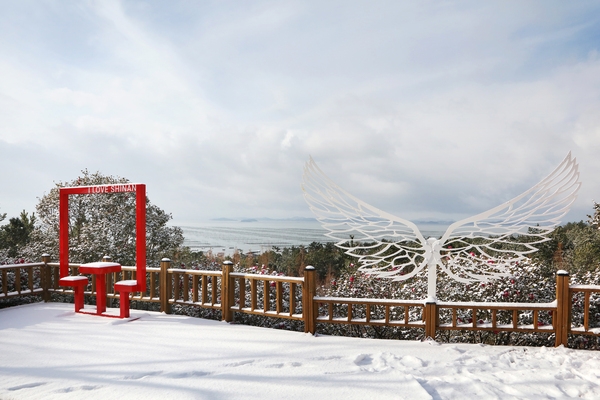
(25, 280)
(275, 296)
(231, 292)
(225, 290)
(285, 297)
(195, 288)
(375, 312)
(584, 327)
(497, 317)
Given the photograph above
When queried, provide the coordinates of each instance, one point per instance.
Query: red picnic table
(100, 269)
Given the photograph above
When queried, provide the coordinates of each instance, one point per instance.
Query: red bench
(124, 288)
(79, 283)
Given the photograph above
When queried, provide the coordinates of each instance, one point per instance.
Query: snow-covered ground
(49, 352)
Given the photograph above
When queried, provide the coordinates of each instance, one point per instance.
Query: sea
(258, 236)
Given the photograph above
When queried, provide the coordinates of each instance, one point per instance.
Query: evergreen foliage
(594, 220)
(327, 259)
(574, 247)
(16, 234)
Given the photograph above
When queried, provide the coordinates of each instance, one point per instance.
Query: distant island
(308, 219)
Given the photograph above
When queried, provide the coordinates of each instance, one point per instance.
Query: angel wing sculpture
(478, 248)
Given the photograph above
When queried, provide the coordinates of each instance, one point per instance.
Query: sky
(191, 358)
(427, 110)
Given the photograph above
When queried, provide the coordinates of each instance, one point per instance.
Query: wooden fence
(284, 297)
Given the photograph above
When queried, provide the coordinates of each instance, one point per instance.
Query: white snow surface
(48, 351)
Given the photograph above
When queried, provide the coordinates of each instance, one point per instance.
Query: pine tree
(16, 234)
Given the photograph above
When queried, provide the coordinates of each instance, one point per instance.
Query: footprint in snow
(189, 374)
(565, 375)
(327, 358)
(283, 365)
(411, 362)
(26, 386)
(455, 350)
(72, 389)
(142, 375)
(363, 359)
(239, 363)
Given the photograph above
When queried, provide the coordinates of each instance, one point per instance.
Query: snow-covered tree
(102, 225)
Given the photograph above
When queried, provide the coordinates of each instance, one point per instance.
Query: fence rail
(273, 296)
(494, 314)
(27, 279)
(285, 297)
(375, 312)
(588, 291)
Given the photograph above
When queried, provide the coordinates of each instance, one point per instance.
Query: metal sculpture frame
(140, 224)
(478, 248)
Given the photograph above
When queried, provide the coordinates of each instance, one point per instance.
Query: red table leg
(100, 293)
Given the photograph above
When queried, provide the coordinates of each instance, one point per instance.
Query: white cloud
(424, 109)
(286, 143)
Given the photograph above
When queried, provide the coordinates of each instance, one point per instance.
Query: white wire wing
(384, 244)
(473, 249)
(482, 246)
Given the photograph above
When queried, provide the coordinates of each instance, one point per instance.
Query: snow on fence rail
(285, 297)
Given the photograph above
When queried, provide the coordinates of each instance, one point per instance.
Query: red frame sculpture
(140, 224)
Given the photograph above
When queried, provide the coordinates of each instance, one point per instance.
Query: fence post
(165, 286)
(46, 277)
(431, 318)
(563, 309)
(227, 292)
(309, 290)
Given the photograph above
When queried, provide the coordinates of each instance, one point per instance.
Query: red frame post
(140, 225)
